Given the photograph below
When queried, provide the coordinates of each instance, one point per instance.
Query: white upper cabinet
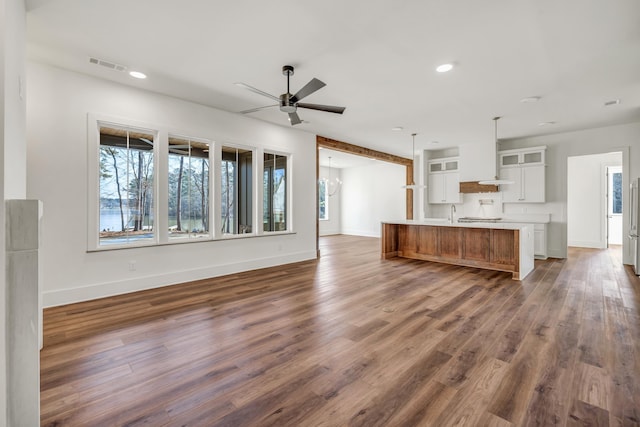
(522, 157)
(526, 168)
(444, 165)
(443, 181)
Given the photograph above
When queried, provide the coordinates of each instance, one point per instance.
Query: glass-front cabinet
(526, 169)
(443, 180)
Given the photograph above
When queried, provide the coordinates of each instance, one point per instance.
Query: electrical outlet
(132, 266)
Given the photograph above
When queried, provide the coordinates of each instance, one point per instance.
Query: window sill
(184, 241)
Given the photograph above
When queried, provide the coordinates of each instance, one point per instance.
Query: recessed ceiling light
(612, 102)
(530, 99)
(546, 123)
(137, 74)
(444, 68)
(397, 128)
(435, 142)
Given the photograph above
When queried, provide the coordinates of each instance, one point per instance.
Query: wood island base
(500, 248)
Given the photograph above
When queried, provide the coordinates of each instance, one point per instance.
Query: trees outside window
(188, 187)
(323, 200)
(616, 193)
(274, 201)
(236, 180)
(126, 186)
(133, 164)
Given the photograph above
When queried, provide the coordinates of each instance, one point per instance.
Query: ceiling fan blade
(294, 119)
(327, 108)
(258, 91)
(253, 110)
(308, 89)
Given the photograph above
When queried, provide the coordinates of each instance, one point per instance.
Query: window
(274, 200)
(323, 200)
(616, 193)
(188, 188)
(126, 172)
(236, 190)
(150, 187)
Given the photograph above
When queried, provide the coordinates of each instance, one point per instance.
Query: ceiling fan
(290, 103)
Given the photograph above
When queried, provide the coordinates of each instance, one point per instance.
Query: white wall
(15, 149)
(12, 185)
(333, 224)
(586, 202)
(58, 104)
(371, 194)
(4, 60)
(478, 160)
(624, 138)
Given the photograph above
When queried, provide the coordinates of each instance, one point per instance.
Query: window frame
(93, 166)
(210, 194)
(256, 174)
(287, 191)
(161, 135)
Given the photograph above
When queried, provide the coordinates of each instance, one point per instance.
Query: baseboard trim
(107, 289)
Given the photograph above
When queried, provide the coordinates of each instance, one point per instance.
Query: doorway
(590, 199)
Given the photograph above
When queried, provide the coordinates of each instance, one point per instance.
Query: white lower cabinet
(540, 241)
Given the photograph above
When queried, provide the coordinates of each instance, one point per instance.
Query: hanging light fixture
(413, 185)
(496, 180)
(334, 187)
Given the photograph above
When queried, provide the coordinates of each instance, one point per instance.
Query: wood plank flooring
(351, 339)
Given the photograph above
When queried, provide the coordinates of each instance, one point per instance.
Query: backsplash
(481, 205)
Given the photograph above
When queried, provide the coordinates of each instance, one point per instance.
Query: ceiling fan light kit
(289, 103)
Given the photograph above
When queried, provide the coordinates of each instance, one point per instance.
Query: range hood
(496, 179)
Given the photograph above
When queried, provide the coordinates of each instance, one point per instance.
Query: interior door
(614, 205)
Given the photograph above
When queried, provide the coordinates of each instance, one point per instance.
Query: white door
(511, 192)
(533, 183)
(452, 187)
(436, 186)
(614, 205)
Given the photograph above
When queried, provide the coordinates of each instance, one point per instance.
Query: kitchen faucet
(452, 211)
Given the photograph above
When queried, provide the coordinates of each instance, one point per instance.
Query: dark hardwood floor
(351, 339)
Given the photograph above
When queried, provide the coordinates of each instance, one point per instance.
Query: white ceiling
(377, 58)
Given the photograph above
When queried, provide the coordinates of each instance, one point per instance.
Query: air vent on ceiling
(107, 64)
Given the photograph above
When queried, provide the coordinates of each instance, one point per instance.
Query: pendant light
(413, 185)
(335, 185)
(496, 180)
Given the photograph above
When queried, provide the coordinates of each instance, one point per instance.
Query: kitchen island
(493, 246)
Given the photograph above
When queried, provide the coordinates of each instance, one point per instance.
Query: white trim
(161, 136)
(102, 290)
(94, 122)
(288, 189)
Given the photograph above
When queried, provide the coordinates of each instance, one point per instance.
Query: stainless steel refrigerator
(634, 221)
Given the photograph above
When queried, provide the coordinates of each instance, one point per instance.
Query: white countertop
(445, 223)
